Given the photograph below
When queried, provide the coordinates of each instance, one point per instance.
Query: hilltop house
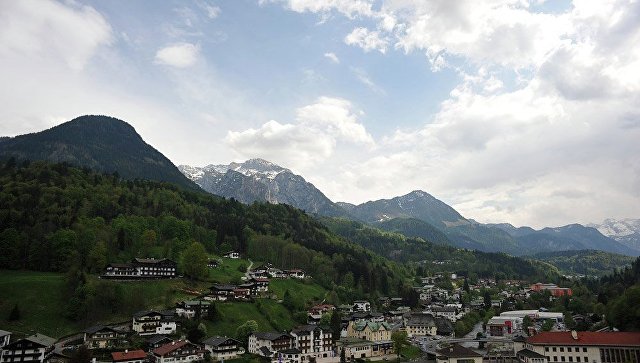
(192, 308)
(154, 322)
(233, 255)
(223, 348)
(181, 351)
(141, 268)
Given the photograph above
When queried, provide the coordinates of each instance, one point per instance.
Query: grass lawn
(42, 302)
(269, 314)
(411, 352)
(307, 291)
(227, 272)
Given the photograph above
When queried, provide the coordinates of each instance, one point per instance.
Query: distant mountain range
(260, 180)
(110, 145)
(625, 231)
(417, 214)
(100, 143)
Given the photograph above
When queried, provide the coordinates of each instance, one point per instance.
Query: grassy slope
(40, 297)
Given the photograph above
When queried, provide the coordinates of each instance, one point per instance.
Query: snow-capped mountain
(625, 231)
(263, 181)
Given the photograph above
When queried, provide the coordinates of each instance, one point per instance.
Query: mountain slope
(585, 262)
(262, 181)
(101, 143)
(570, 237)
(460, 232)
(625, 231)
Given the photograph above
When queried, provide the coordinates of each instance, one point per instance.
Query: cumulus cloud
(348, 8)
(48, 29)
(180, 55)
(319, 127)
(332, 57)
(367, 40)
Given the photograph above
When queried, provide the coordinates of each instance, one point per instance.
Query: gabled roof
(153, 260)
(457, 351)
(96, 328)
(444, 325)
(216, 341)
(163, 313)
(271, 335)
(128, 355)
(304, 329)
(586, 338)
(530, 354)
(372, 326)
(222, 287)
(421, 319)
(41, 339)
(157, 338)
(4, 332)
(170, 347)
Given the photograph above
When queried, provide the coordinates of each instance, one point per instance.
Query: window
(554, 349)
(584, 349)
(586, 359)
(570, 359)
(546, 349)
(562, 358)
(569, 349)
(555, 358)
(562, 349)
(577, 359)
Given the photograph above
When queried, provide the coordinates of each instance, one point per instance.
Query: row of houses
(269, 271)
(255, 287)
(141, 268)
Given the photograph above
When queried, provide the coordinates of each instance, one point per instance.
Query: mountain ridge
(101, 143)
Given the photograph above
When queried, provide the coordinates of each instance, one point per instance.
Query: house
(355, 348)
(156, 340)
(501, 325)
(420, 324)
(5, 337)
(366, 316)
(582, 347)
(361, 306)
(267, 344)
(181, 351)
(212, 263)
(449, 312)
(223, 348)
(232, 255)
(529, 356)
(373, 332)
(129, 356)
(101, 337)
(261, 286)
(141, 268)
(293, 355)
(457, 353)
(57, 357)
(35, 348)
(154, 322)
(315, 312)
(295, 273)
(192, 309)
(220, 292)
(313, 341)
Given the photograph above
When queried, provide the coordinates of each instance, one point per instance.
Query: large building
(269, 343)
(419, 324)
(456, 353)
(552, 288)
(312, 340)
(154, 322)
(589, 347)
(142, 268)
(35, 348)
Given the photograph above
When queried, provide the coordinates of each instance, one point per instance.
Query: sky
(517, 111)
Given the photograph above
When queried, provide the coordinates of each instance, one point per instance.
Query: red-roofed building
(552, 288)
(129, 356)
(587, 347)
(181, 351)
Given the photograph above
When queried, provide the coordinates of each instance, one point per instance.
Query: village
(366, 330)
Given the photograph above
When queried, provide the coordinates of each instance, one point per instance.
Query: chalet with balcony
(223, 348)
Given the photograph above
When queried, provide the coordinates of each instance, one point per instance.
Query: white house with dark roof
(5, 337)
(269, 343)
(456, 353)
(154, 322)
(35, 348)
(223, 348)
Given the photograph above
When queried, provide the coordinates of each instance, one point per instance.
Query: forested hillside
(585, 262)
(55, 217)
(436, 257)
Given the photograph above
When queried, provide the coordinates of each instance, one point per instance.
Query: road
(246, 274)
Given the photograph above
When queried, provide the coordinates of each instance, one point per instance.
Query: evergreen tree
(14, 315)
(82, 355)
(336, 324)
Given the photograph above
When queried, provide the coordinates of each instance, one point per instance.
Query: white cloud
(48, 29)
(180, 55)
(367, 40)
(365, 79)
(332, 57)
(212, 11)
(348, 8)
(318, 129)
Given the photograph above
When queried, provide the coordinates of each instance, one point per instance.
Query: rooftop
(457, 351)
(586, 338)
(128, 355)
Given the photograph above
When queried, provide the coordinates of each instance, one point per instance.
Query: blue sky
(524, 111)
